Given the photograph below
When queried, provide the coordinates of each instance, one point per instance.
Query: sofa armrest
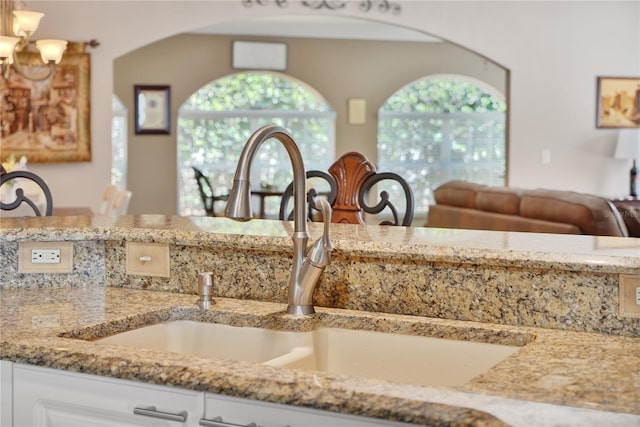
(592, 214)
(630, 213)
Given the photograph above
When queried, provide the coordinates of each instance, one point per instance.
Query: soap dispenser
(205, 289)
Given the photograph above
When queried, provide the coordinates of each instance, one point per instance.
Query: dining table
(263, 193)
(72, 210)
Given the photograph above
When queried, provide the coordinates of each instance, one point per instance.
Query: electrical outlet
(45, 257)
(629, 295)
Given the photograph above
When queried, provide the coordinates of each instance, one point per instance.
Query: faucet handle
(326, 210)
(320, 252)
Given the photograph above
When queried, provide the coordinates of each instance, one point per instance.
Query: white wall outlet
(45, 257)
(629, 287)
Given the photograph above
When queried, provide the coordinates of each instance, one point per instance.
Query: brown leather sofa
(462, 204)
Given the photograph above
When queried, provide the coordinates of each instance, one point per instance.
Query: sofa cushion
(502, 200)
(592, 214)
(458, 193)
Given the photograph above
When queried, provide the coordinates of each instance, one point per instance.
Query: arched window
(118, 143)
(442, 128)
(216, 121)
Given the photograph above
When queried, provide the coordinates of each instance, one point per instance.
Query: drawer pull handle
(146, 258)
(217, 422)
(151, 411)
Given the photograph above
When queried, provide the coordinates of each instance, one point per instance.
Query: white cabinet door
(225, 411)
(6, 393)
(45, 397)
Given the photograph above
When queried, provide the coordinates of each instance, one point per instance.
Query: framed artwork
(47, 120)
(152, 110)
(618, 102)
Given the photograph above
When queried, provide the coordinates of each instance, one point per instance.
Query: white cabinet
(51, 398)
(243, 412)
(6, 385)
(44, 397)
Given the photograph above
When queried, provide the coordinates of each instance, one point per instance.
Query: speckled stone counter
(542, 280)
(557, 378)
(548, 293)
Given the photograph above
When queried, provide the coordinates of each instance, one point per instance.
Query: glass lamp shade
(7, 47)
(51, 50)
(25, 22)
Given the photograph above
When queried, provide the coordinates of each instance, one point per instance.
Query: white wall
(554, 51)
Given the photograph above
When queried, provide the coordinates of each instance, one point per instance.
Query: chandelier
(16, 28)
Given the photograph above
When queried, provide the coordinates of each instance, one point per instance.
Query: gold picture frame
(47, 121)
(618, 102)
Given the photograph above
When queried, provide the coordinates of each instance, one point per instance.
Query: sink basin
(212, 340)
(407, 359)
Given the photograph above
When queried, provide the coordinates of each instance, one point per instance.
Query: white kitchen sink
(212, 340)
(407, 359)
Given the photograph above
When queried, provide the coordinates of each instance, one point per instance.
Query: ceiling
(326, 27)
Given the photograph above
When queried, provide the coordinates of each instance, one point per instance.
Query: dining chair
(207, 195)
(319, 184)
(351, 183)
(19, 189)
(120, 203)
(108, 194)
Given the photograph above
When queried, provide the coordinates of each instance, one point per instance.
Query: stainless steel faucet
(305, 271)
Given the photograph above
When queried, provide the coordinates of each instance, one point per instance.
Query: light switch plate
(357, 111)
(629, 286)
(147, 259)
(27, 265)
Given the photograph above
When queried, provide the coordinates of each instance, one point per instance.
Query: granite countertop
(557, 377)
(530, 250)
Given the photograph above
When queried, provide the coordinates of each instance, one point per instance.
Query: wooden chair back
(351, 179)
(108, 194)
(120, 203)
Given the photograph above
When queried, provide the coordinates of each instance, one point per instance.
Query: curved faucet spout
(239, 203)
(302, 281)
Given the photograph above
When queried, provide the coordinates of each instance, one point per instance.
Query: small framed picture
(618, 102)
(152, 110)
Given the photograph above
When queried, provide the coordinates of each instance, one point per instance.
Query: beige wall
(337, 69)
(553, 49)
